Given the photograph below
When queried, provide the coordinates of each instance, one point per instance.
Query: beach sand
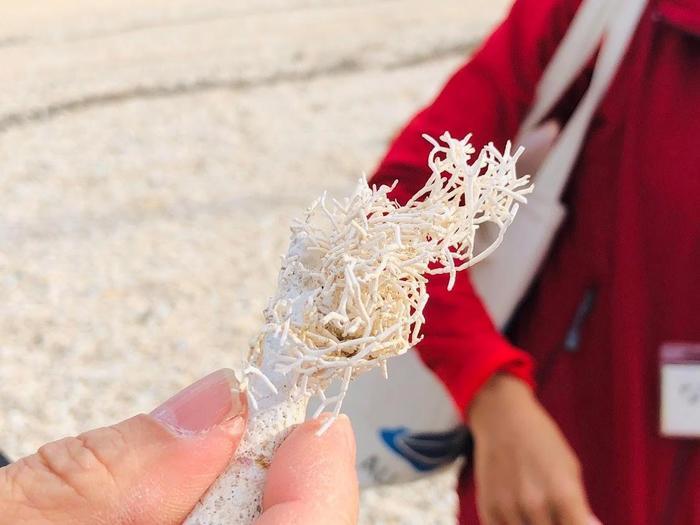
(152, 155)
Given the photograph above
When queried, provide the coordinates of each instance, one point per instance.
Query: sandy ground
(151, 157)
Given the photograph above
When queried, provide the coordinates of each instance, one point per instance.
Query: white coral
(364, 260)
(351, 294)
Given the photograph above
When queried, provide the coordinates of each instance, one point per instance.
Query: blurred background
(152, 154)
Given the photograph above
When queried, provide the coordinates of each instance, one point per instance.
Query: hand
(152, 469)
(525, 471)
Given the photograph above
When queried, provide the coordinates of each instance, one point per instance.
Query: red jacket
(627, 258)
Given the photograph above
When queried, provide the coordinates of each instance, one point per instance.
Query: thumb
(147, 469)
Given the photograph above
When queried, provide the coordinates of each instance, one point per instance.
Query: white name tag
(680, 390)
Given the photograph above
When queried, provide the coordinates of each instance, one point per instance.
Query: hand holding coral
(152, 469)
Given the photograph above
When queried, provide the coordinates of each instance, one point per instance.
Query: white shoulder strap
(613, 20)
(574, 51)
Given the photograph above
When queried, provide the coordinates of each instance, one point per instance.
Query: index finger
(312, 479)
(573, 509)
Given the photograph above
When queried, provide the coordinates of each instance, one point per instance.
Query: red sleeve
(489, 97)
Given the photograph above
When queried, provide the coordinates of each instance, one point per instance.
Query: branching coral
(351, 294)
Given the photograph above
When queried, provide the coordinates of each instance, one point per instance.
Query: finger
(535, 507)
(536, 512)
(312, 478)
(571, 506)
(510, 515)
(505, 512)
(147, 469)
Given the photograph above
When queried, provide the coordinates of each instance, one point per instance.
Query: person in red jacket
(622, 279)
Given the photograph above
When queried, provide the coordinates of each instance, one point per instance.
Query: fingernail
(343, 422)
(214, 400)
(341, 426)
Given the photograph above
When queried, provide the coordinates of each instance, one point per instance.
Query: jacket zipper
(572, 341)
(572, 338)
